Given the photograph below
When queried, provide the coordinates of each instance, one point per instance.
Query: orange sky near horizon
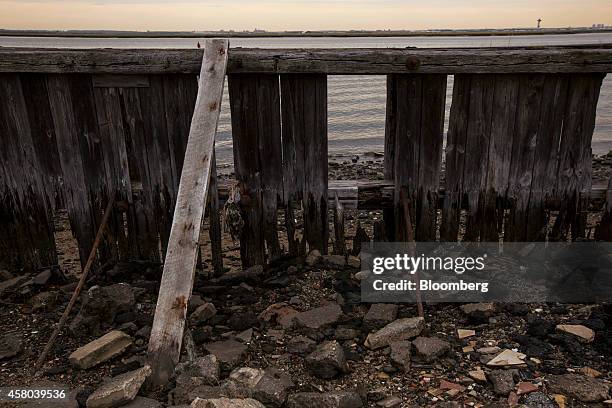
(188, 15)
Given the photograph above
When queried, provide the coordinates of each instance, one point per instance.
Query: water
(356, 104)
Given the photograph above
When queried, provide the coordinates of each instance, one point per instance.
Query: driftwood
(179, 266)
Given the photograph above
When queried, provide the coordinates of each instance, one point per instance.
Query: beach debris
(507, 358)
(400, 354)
(400, 329)
(428, 349)
(100, 350)
(503, 381)
(229, 353)
(465, 333)
(379, 315)
(119, 390)
(327, 360)
(582, 333)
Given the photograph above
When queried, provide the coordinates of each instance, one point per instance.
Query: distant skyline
(279, 15)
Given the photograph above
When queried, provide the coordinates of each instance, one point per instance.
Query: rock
(245, 336)
(204, 369)
(346, 333)
(401, 329)
(465, 333)
(354, 262)
(119, 390)
(327, 361)
(144, 332)
(42, 278)
(539, 400)
(282, 313)
(582, 388)
(507, 358)
(478, 375)
(479, 312)
(319, 318)
(590, 372)
(44, 301)
(526, 388)
(335, 399)
(11, 284)
(390, 402)
(230, 353)
(539, 327)
(582, 333)
(226, 403)
(5, 275)
(10, 346)
(254, 274)
(503, 381)
(379, 315)
(335, 260)
(400, 354)
(100, 350)
(242, 320)
(301, 345)
(313, 258)
(101, 305)
(195, 301)
(269, 387)
(202, 313)
(142, 402)
(430, 348)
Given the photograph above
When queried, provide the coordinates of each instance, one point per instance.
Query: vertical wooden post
(179, 266)
(216, 237)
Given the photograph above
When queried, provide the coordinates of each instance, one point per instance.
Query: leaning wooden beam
(323, 61)
(179, 266)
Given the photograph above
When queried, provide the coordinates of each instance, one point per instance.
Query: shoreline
(300, 34)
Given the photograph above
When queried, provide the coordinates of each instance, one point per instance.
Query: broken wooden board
(179, 266)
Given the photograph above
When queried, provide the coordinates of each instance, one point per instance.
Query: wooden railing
(78, 124)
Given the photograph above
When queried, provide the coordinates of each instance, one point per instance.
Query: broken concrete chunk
(226, 403)
(430, 348)
(204, 369)
(582, 333)
(401, 329)
(479, 311)
(282, 313)
(301, 345)
(10, 346)
(400, 354)
(100, 350)
(319, 317)
(202, 314)
(582, 388)
(507, 358)
(327, 361)
(230, 353)
(503, 381)
(379, 315)
(119, 390)
(267, 386)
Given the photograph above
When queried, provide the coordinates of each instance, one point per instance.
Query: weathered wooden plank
(243, 104)
(407, 142)
(430, 155)
(271, 159)
(314, 194)
(216, 236)
(389, 152)
(455, 158)
(477, 153)
(529, 102)
(499, 153)
(574, 168)
(546, 153)
(76, 190)
(179, 266)
(330, 61)
(143, 229)
(26, 232)
(120, 81)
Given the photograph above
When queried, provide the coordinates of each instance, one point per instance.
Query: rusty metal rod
(77, 290)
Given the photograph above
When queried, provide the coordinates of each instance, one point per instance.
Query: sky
(201, 15)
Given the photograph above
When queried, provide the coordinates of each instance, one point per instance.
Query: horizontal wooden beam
(378, 195)
(592, 58)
